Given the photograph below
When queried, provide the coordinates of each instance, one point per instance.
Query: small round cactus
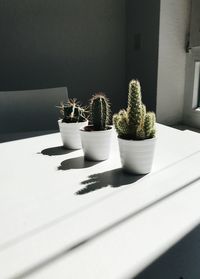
(135, 123)
(99, 111)
(73, 112)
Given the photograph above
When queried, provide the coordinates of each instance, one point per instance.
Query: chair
(30, 110)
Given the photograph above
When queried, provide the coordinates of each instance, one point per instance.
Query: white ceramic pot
(70, 134)
(96, 144)
(137, 155)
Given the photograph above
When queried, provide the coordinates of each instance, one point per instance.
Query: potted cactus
(96, 138)
(136, 133)
(74, 117)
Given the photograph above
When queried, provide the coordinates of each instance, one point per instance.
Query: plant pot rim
(72, 123)
(138, 141)
(94, 131)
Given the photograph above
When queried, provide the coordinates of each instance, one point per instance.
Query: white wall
(191, 115)
(174, 19)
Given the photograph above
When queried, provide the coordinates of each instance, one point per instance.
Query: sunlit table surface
(63, 217)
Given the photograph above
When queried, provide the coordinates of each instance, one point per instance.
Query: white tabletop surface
(63, 217)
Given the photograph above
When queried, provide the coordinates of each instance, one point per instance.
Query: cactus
(73, 112)
(99, 111)
(120, 121)
(135, 123)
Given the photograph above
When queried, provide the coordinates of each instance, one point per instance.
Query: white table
(62, 217)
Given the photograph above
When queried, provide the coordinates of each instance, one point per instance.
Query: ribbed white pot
(96, 144)
(70, 134)
(137, 155)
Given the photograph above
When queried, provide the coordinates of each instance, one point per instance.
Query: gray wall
(142, 46)
(195, 24)
(88, 46)
(78, 44)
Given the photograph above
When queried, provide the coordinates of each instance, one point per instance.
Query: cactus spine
(135, 123)
(72, 112)
(99, 111)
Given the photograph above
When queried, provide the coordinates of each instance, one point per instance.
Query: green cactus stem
(99, 111)
(134, 109)
(120, 121)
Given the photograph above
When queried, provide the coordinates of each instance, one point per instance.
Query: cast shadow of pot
(55, 151)
(113, 178)
(76, 163)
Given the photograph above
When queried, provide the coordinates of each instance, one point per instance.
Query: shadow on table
(76, 163)
(67, 250)
(55, 151)
(113, 178)
(179, 262)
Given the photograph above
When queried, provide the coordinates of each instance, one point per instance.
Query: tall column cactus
(99, 111)
(135, 122)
